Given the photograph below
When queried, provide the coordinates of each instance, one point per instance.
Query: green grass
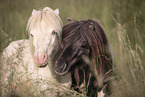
(129, 69)
(123, 20)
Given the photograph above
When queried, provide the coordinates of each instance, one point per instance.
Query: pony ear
(34, 11)
(56, 11)
(91, 26)
(69, 20)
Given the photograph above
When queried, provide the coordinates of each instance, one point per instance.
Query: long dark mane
(91, 32)
(86, 54)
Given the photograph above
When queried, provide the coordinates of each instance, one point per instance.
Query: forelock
(48, 16)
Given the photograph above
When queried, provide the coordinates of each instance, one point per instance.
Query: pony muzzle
(40, 59)
(61, 70)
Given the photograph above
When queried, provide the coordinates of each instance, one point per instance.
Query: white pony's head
(45, 28)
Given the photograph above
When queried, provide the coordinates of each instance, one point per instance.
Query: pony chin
(41, 65)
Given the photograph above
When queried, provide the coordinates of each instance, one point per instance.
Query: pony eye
(31, 35)
(54, 32)
(84, 46)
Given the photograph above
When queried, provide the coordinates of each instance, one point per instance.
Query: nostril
(63, 67)
(45, 57)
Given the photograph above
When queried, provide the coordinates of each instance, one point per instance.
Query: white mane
(50, 17)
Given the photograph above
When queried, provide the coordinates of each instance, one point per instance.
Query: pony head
(44, 27)
(81, 41)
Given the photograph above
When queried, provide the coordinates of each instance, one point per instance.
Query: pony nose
(60, 69)
(41, 59)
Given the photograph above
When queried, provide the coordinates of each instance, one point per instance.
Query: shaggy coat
(87, 55)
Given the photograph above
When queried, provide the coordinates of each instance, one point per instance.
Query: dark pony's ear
(69, 20)
(91, 27)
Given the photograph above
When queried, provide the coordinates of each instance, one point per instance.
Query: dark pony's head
(81, 39)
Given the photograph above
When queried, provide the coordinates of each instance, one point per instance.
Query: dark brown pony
(87, 55)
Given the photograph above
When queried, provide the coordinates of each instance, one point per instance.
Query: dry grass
(129, 68)
(123, 21)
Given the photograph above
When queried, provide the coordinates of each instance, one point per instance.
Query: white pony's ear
(34, 11)
(56, 11)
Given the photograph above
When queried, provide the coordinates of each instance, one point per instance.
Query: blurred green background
(123, 21)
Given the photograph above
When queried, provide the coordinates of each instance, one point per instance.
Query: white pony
(27, 66)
